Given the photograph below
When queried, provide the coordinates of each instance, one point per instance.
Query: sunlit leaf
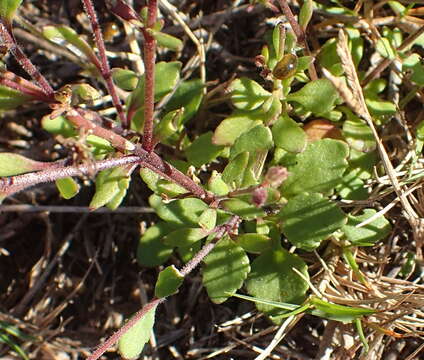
(254, 243)
(179, 212)
(317, 96)
(14, 164)
(131, 344)
(369, 234)
(8, 9)
(10, 99)
(125, 79)
(318, 169)
(247, 94)
(236, 124)
(288, 135)
(67, 187)
(188, 95)
(168, 282)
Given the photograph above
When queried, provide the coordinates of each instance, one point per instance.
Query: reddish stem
(149, 84)
(150, 160)
(221, 230)
(24, 61)
(300, 35)
(104, 68)
(13, 184)
(24, 86)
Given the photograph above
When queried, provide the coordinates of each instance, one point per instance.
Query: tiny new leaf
(169, 280)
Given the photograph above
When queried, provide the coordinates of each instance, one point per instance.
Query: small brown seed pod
(286, 67)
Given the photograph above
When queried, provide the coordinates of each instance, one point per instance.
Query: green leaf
(272, 278)
(254, 243)
(385, 49)
(58, 125)
(188, 95)
(307, 219)
(169, 280)
(151, 250)
(358, 135)
(111, 186)
(131, 344)
(64, 35)
(256, 139)
(415, 64)
(168, 41)
(202, 150)
(379, 107)
(247, 94)
(225, 270)
(183, 212)
(67, 187)
(288, 135)
(169, 125)
(243, 209)
(236, 124)
(125, 79)
(207, 220)
(217, 185)
(318, 96)
(167, 75)
(11, 99)
(352, 187)
(345, 314)
(8, 9)
(14, 164)
(306, 13)
(369, 234)
(319, 168)
(233, 174)
(184, 237)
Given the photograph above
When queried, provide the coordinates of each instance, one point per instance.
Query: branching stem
(104, 68)
(24, 61)
(13, 184)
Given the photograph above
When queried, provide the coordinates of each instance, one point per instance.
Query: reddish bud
(259, 196)
(275, 176)
(121, 9)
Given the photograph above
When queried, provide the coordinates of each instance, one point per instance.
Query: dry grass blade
(362, 110)
(357, 101)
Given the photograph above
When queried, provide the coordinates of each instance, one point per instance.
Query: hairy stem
(13, 184)
(24, 61)
(221, 230)
(113, 339)
(104, 68)
(149, 84)
(149, 159)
